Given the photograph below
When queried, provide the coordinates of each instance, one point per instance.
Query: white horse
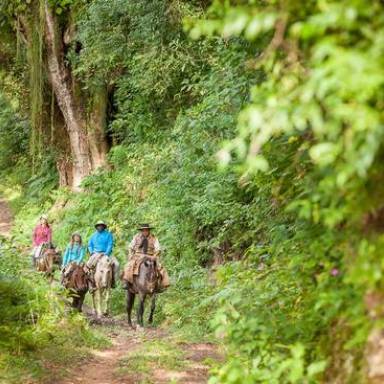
(103, 283)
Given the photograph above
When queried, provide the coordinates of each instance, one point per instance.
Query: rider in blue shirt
(75, 251)
(101, 243)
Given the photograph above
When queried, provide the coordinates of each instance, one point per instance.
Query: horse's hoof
(95, 320)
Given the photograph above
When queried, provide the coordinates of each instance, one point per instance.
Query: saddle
(40, 251)
(133, 267)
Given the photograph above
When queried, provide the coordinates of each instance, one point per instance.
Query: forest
(250, 134)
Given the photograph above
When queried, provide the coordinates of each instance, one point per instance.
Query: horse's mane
(77, 279)
(104, 259)
(148, 258)
(146, 274)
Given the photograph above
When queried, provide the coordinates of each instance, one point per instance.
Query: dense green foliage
(250, 134)
(35, 327)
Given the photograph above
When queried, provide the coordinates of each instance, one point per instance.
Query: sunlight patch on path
(146, 356)
(5, 218)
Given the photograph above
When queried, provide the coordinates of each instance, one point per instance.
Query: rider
(143, 244)
(75, 250)
(101, 243)
(74, 253)
(42, 236)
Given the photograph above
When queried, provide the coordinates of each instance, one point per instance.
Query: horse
(46, 263)
(75, 280)
(103, 283)
(146, 283)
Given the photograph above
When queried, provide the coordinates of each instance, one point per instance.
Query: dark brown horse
(48, 262)
(146, 283)
(74, 279)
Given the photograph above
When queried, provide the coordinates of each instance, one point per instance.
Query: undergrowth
(270, 255)
(39, 335)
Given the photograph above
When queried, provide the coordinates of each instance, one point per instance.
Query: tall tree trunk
(96, 128)
(88, 147)
(61, 83)
(61, 144)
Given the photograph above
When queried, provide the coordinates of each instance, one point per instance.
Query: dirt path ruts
(5, 218)
(104, 367)
(100, 367)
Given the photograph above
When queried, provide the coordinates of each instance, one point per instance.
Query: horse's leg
(153, 306)
(100, 296)
(101, 302)
(50, 270)
(80, 301)
(106, 301)
(130, 301)
(75, 300)
(96, 302)
(140, 311)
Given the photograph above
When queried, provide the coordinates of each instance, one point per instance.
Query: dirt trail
(5, 218)
(100, 367)
(136, 356)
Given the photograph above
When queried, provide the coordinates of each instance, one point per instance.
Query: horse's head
(54, 254)
(103, 273)
(57, 259)
(148, 272)
(75, 277)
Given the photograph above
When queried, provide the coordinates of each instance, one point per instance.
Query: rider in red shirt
(42, 235)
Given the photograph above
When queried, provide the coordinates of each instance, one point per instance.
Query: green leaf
(316, 367)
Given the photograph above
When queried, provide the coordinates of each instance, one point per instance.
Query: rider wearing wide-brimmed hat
(101, 243)
(143, 244)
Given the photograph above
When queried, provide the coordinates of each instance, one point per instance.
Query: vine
(35, 58)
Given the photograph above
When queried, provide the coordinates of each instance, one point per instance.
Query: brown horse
(48, 261)
(146, 283)
(75, 280)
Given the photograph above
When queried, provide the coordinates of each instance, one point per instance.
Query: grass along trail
(150, 356)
